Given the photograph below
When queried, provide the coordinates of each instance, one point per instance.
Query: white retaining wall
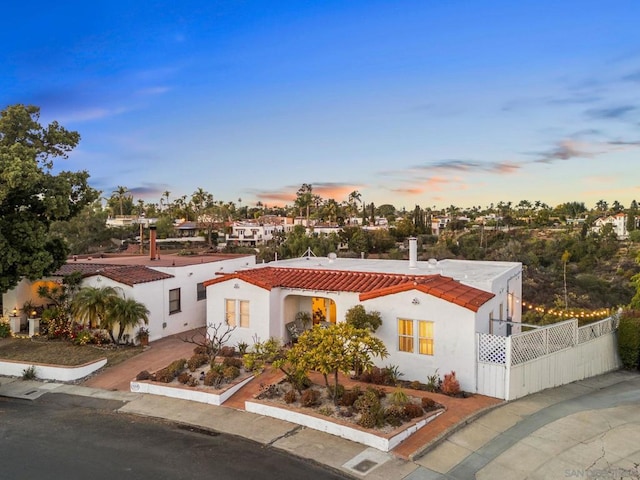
(188, 393)
(381, 443)
(51, 372)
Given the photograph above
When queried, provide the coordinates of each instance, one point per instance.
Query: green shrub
(309, 398)
(428, 404)
(213, 378)
(197, 361)
(230, 372)
(232, 362)
(30, 373)
(164, 375)
(413, 410)
(290, 396)
(394, 415)
(184, 378)
(629, 339)
(143, 375)
(399, 397)
(227, 351)
(5, 330)
(83, 337)
(349, 397)
(371, 412)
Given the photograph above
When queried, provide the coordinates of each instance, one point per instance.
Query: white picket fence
(515, 366)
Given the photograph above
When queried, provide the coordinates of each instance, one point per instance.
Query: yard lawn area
(58, 352)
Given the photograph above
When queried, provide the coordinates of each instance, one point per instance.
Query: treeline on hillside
(596, 268)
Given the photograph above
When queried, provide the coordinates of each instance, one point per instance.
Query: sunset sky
(408, 102)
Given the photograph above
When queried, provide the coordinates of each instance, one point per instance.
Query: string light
(556, 312)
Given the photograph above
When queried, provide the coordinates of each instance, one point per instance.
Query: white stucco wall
(259, 309)
(453, 330)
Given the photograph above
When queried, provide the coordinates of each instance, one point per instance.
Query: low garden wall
(51, 372)
(186, 393)
(381, 442)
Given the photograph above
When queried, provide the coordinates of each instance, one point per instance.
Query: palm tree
(126, 313)
(120, 194)
(91, 305)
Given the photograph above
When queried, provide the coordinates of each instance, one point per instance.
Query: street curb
(450, 431)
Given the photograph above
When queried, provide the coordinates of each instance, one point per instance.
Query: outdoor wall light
(415, 301)
(33, 313)
(236, 285)
(14, 312)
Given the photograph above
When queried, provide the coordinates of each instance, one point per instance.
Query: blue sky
(409, 102)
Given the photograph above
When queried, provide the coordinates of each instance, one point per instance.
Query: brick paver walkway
(158, 355)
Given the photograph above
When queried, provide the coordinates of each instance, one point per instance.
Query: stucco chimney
(152, 242)
(413, 252)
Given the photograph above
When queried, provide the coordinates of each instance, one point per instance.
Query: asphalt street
(71, 437)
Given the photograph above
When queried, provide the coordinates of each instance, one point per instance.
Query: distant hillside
(598, 270)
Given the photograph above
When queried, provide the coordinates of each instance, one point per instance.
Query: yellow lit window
(244, 313)
(405, 335)
(230, 312)
(425, 337)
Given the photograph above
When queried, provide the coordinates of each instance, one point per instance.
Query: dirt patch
(61, 352)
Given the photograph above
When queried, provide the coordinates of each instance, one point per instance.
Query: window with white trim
(236, 313)
(415, 336)
(405, 335)
(425, 337)
(174, 301)
(201, 291)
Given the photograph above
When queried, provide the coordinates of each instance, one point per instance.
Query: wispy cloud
(458, 165)
(611, 113)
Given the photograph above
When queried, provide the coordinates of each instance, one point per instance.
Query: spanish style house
(431, 311)
(170, 286)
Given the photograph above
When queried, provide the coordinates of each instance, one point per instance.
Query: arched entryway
(323, 310)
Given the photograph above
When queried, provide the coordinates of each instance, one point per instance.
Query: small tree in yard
(212, 339)
(360, 318)
(332, 350)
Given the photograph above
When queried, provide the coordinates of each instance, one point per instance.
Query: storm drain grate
(31, 392)
(364, 466)
(366, 461)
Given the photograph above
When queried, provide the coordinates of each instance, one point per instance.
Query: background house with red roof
(431, 311)
(171, 286)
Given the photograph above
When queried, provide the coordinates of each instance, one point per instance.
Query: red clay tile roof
(369, 285)
(127, 274)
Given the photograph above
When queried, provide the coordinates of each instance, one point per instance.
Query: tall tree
(32, 197)
(120, 195)
(304, 199)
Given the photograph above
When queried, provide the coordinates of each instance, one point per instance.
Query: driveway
(587, 429)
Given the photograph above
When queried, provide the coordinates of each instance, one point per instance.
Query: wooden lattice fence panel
(492, 349)
(528, 346)
(597, 329)
(561, 336)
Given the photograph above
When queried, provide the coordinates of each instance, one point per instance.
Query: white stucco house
(171, 286)
(431, 311)
(618, 222)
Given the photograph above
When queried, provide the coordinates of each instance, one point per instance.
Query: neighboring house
(617, 221)
(251, 234)
(171, 286)
(430, 311)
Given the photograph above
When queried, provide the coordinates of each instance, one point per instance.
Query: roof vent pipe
(413, 252)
